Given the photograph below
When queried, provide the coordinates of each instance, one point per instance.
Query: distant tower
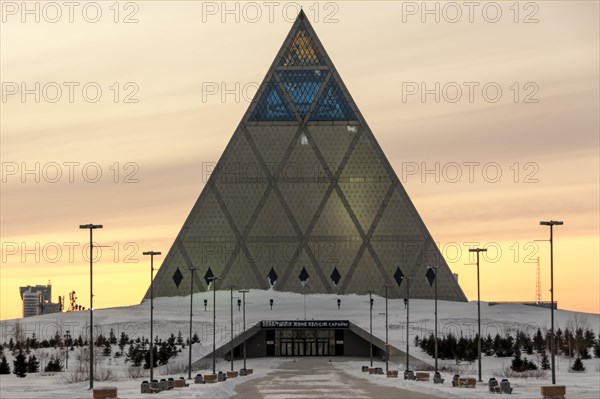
(72, 302)
(31, 301)
(37, 300)
(538, 283)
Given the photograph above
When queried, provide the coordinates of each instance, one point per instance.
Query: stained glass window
(272, 105)
(332, 105)
(302, 87)
(302, 51)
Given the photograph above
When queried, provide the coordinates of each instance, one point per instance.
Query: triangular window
(272, 105)
(332, 105)
(302, 51)
(302, 87)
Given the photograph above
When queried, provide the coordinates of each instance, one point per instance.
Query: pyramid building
(303, 198)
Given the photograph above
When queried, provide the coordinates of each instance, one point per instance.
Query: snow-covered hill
(172, 315)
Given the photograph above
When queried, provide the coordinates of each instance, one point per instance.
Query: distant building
(37, 300)
(31, 300)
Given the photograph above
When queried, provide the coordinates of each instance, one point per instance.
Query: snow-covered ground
(172, 315)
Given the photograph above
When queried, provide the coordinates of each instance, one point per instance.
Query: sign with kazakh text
(305, 324)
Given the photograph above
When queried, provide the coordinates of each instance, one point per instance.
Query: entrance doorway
(304, 347)
(305, 343)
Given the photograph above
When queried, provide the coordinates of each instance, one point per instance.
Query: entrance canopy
(275, 338)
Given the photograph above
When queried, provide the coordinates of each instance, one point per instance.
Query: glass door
(322, 347)
(311, 347)
(298, 347)
(286, 347)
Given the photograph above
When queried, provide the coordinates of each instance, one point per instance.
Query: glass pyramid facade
(304, 189)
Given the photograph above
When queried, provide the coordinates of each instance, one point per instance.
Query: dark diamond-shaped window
(302, 51)
(430, 275)
(272, 105)
(303, 276)
(207, 277)
(335, 276)
(177, 277)
(302, 87)
(398, 275)
(332, 105)
(272, 276)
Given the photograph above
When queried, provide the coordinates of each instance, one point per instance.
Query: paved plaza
(316, 377)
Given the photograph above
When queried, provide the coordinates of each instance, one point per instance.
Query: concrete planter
(210, 378)
(232, 374)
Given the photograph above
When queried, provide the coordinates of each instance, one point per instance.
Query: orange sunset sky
(483, 167)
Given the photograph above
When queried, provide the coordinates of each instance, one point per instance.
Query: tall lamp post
(151, 253)
(407, 320)
(191, 269)
(244, 322)
(552, 223)
(387, 352)
(67, 343)
(371, 326)
(231, 287)
(91, 227)
(432, 279)
(214, 279)
(477, 251)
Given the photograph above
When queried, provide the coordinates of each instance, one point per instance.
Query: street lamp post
(478, 250)
(371, 326)
(151, 253)
(407, 320)
(386, 329)
(244, 321)
(214, 360)
(304, 295)
(191, 269)
(436, 318)
(91, 227)
(432, 278)
(231, 287)
(552, 223)
(67, 342)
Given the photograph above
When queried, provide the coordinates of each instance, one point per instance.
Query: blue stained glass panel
(272, 105)
(332, 105)
(302, 87)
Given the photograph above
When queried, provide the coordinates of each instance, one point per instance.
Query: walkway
(315, 377)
